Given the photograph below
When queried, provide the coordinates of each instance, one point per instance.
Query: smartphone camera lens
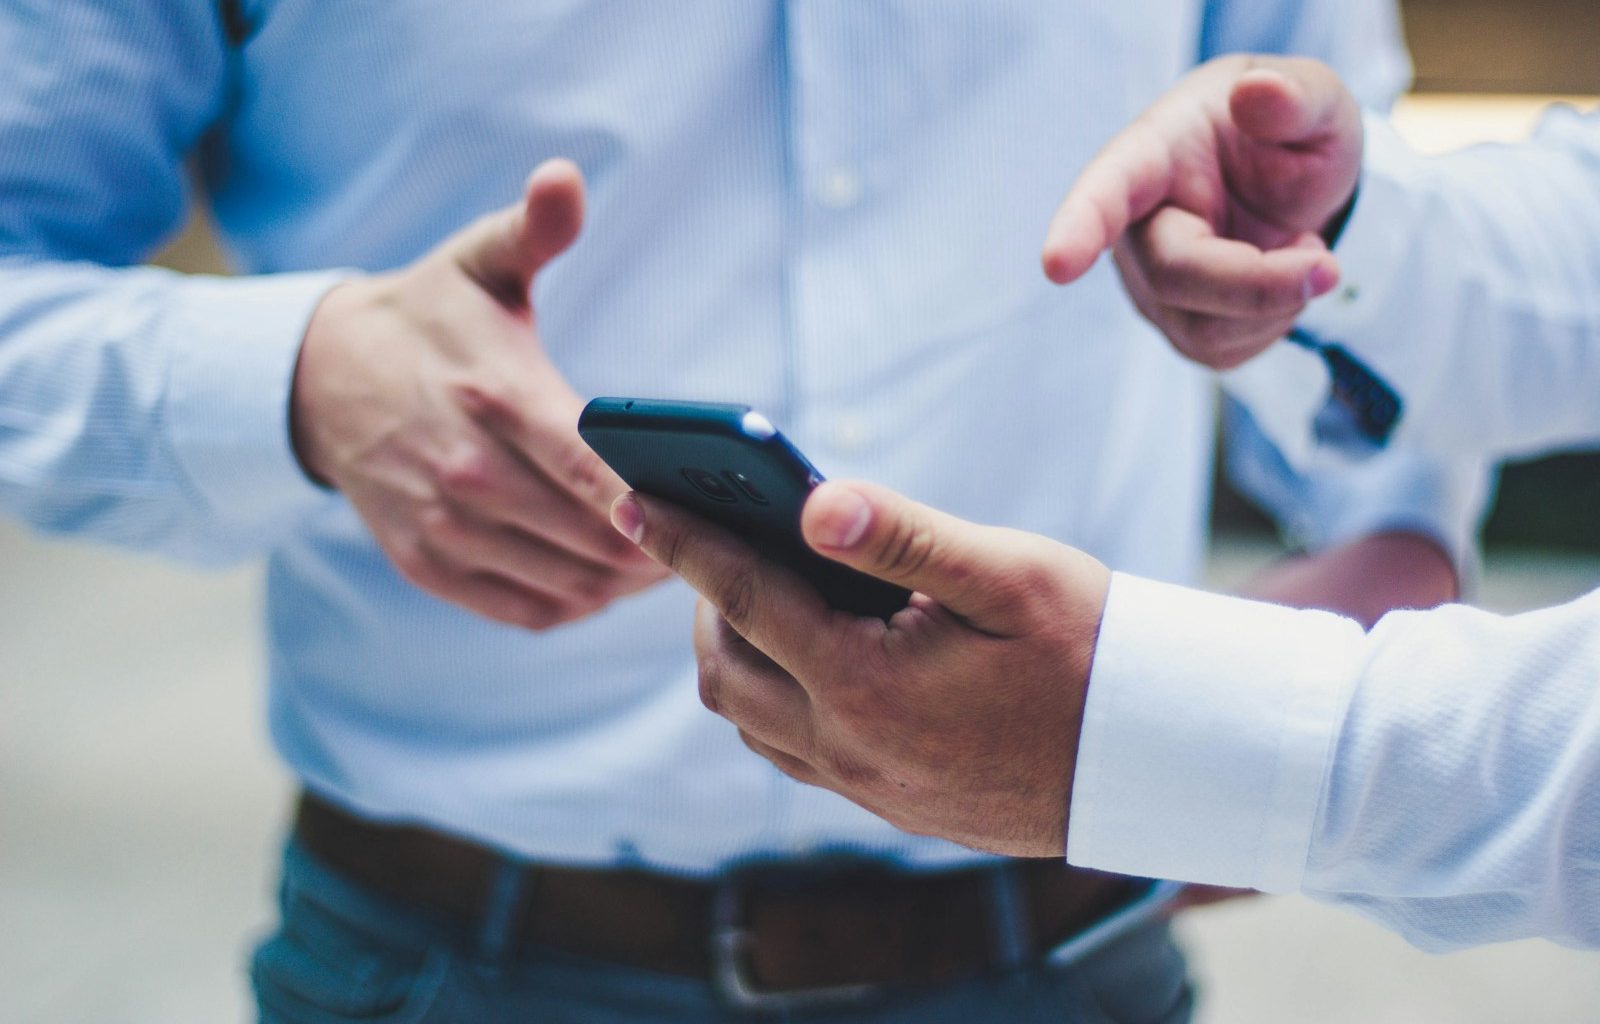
(710, 484)
(744, 484)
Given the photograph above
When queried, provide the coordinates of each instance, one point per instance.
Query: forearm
(1363, 579)
(1397, 530)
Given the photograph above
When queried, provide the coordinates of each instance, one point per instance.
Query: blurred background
(140, 806)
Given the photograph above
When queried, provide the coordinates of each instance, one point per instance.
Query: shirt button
(851, 434)
(839, 190)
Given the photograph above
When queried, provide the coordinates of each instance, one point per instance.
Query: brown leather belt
(817, 928)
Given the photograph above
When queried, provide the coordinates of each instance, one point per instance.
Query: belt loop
(1011, 931)
(502, 913)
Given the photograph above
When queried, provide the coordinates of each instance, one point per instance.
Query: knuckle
(673, 547)
(413, 563)
(1203, 354)
(793, 767)
(538, 616)
(1033, 579)
(438, 527)
(1185, 345)
(1209, 334)
(1226, 361)
(1167, 272)
(485, 402)
(852, 772)
(584, 471)
(467, 474)
(1033, 594)
(907, 549)
(738, 593)
(593, 588)
(713, 677)
(797, 770)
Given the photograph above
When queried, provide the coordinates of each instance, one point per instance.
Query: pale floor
(140, 808)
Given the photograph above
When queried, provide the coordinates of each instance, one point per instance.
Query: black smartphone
(729, 464)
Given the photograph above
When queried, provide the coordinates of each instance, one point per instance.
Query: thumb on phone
(967, 568)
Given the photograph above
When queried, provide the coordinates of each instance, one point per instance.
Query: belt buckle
(731, 943)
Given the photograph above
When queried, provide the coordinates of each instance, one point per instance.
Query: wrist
(331, 321)
(1092, 585)
(1333, 228)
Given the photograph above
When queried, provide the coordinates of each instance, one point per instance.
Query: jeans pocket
(322, 968)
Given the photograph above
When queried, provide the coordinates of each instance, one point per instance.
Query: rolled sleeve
(1207, 735)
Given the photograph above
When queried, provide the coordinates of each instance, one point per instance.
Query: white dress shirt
(829, 209)
(1442, 773)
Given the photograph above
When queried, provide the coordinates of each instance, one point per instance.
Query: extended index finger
(774, 609)
(1128, 178)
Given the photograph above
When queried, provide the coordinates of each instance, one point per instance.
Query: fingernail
(1322, 279)
(844, 520)
(628, 518)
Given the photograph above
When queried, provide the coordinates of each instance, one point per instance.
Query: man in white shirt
(1468, 280)
(1440, 773)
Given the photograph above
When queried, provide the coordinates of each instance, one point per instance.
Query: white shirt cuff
(235, 342)
(1207, 735)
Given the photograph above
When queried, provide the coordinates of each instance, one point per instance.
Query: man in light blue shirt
(829, 210)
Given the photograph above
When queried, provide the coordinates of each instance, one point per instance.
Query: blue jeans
(344, 954)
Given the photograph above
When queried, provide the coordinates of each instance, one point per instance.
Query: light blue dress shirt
(830, 209)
